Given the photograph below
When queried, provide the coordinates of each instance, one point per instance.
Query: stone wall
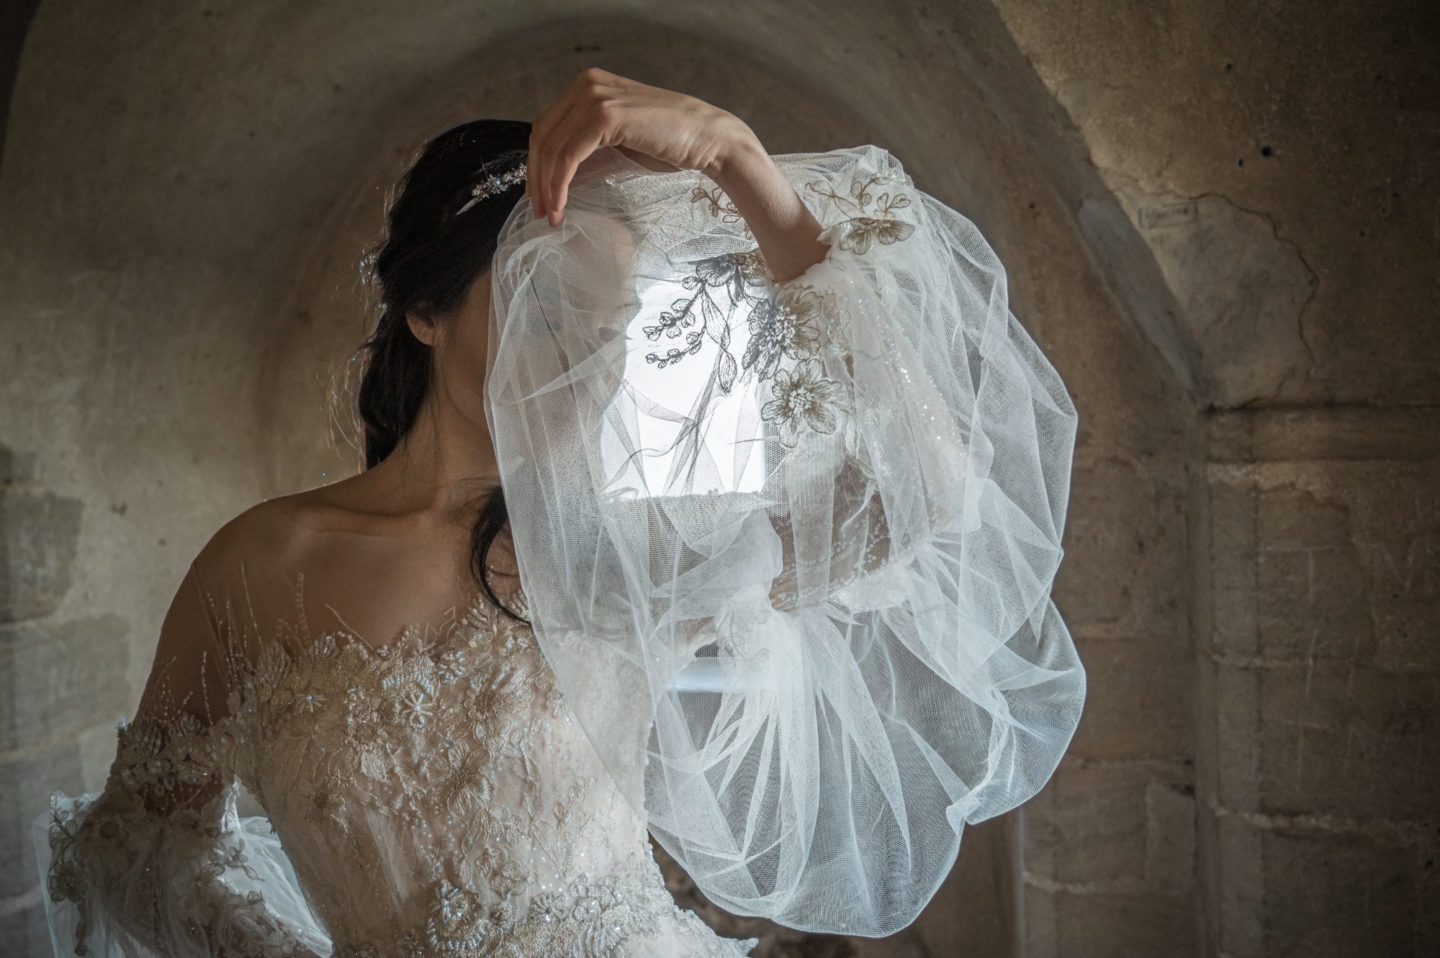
(1216, 219)
(60, 675)
(1321, 684)
(1281, 163)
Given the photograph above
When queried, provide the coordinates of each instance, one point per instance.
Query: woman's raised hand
(665, 130)
(660, 129)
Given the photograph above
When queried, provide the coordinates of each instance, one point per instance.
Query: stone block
(1233, 566)
(1335, 894)
(1170, 838)
(1064, 924)
(1088, 824)
(1313, 586)
(1238, 905)
(1125, 563)
(59, 677)
(1140, 699)
(1323, 433)
(1207, 738)
(1112, 823)
(1407, 630)
(1208, 874)
(39, 532)
(1236, 711)
(1041, 928)
(26, 781)
(1399, 543)
(1349, 741)
(1313, 604)
(1427, 898)
(1292, 516)
(1348, 563)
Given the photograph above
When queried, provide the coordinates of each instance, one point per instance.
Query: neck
(444, 461)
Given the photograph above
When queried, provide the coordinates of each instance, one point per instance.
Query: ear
(422, 325)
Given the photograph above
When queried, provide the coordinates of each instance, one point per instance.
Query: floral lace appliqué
(868, 216)
(789, 328)
(163, 765)
(436, 798)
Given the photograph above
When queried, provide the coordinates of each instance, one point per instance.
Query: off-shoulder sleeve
(160, 862)
(789, 547)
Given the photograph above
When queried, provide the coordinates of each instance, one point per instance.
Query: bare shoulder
(275, 534)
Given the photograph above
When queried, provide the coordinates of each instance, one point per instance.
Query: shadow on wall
(15, 17)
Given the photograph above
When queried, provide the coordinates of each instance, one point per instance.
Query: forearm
(785, 230)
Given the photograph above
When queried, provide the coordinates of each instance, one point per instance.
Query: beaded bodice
(435, 797)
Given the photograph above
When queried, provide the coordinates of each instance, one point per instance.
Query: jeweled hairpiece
(490, 185)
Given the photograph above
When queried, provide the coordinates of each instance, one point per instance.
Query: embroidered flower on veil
(780, 328)
(865, 224)
(789, 327)
(804, 399)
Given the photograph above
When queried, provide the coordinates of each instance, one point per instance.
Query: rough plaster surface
(1325, 124)
(1250, 567)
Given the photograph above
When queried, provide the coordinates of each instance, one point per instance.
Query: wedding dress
(431, 797)
(786, 550)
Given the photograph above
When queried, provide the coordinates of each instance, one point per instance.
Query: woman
(363, 658)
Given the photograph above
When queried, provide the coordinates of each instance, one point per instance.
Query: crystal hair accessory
(490, 185)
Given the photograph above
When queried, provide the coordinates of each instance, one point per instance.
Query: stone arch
(199, 219)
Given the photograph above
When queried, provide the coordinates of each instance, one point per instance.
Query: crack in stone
(1299, 254)
(1119, 181)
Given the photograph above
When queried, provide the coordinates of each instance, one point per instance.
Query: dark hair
(429, 259)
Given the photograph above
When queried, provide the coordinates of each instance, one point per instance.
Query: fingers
(541, 143)
(535, 160)
(578, 136)
(566, 132)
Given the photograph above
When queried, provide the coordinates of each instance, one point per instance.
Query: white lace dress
(432, 798)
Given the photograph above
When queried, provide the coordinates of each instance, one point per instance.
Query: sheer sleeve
(789, 547)
(160, 862)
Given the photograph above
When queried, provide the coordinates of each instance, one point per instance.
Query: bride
(467, 681)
